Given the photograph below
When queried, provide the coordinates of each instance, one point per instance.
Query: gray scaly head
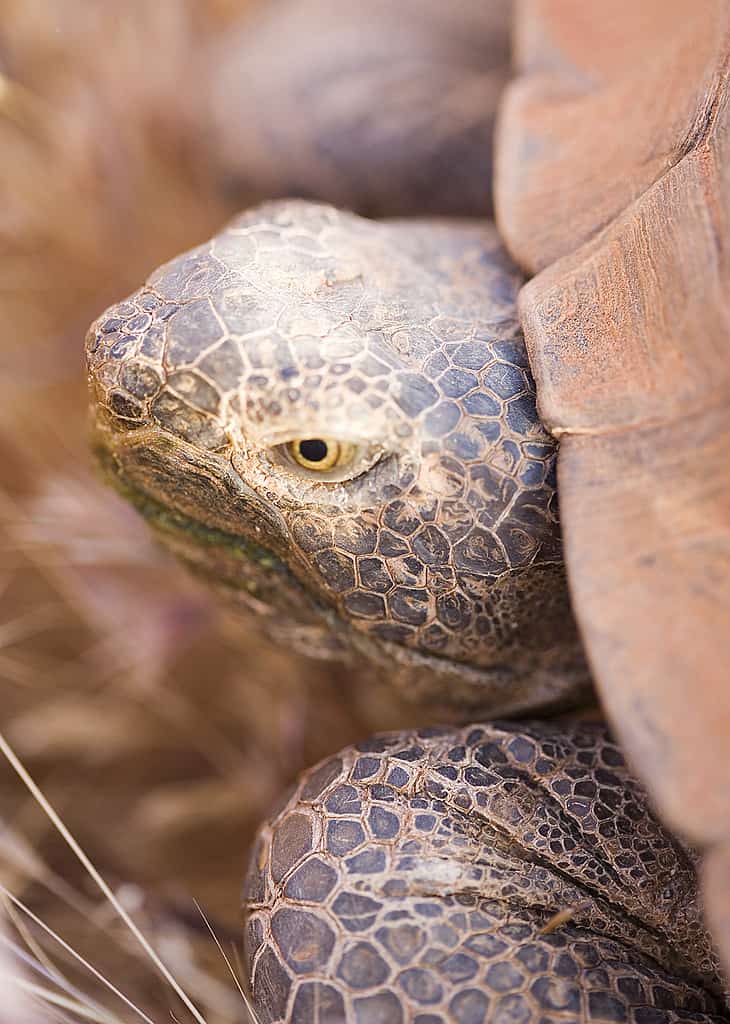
(335, 417)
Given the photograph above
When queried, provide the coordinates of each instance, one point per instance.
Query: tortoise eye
(321, 454)
(325, 460)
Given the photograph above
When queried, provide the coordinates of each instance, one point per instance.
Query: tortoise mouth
(230, 560)
(263, 582)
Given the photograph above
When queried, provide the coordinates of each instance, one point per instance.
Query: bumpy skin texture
(440, 556)
(408, 881)
(414, 879)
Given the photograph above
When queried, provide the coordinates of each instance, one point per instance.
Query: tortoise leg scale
(495, 873)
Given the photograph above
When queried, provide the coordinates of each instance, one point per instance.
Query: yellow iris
(321, 454)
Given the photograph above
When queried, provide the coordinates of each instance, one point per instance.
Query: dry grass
(146, 714)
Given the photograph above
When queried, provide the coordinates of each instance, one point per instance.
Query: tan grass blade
(47, 995)
(246, 1001)
(72, 952)
(39, 797)
(24, 933)
(15, 1007)
(72, 992)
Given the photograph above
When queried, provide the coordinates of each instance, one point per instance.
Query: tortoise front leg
(492, 873)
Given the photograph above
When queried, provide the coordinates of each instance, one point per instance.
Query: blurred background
(161, 727)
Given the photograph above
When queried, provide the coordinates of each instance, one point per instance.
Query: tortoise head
(335, 418)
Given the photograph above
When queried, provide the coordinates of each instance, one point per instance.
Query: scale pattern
(411, 879)
(298, 320)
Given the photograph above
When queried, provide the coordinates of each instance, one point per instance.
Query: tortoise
(335, 420)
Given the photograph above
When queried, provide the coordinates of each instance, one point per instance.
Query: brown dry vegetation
(160, 727)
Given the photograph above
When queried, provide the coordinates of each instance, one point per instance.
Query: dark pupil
(314, 450)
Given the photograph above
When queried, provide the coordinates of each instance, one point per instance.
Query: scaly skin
(418, 875)
(444, 557)
(436, 553)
